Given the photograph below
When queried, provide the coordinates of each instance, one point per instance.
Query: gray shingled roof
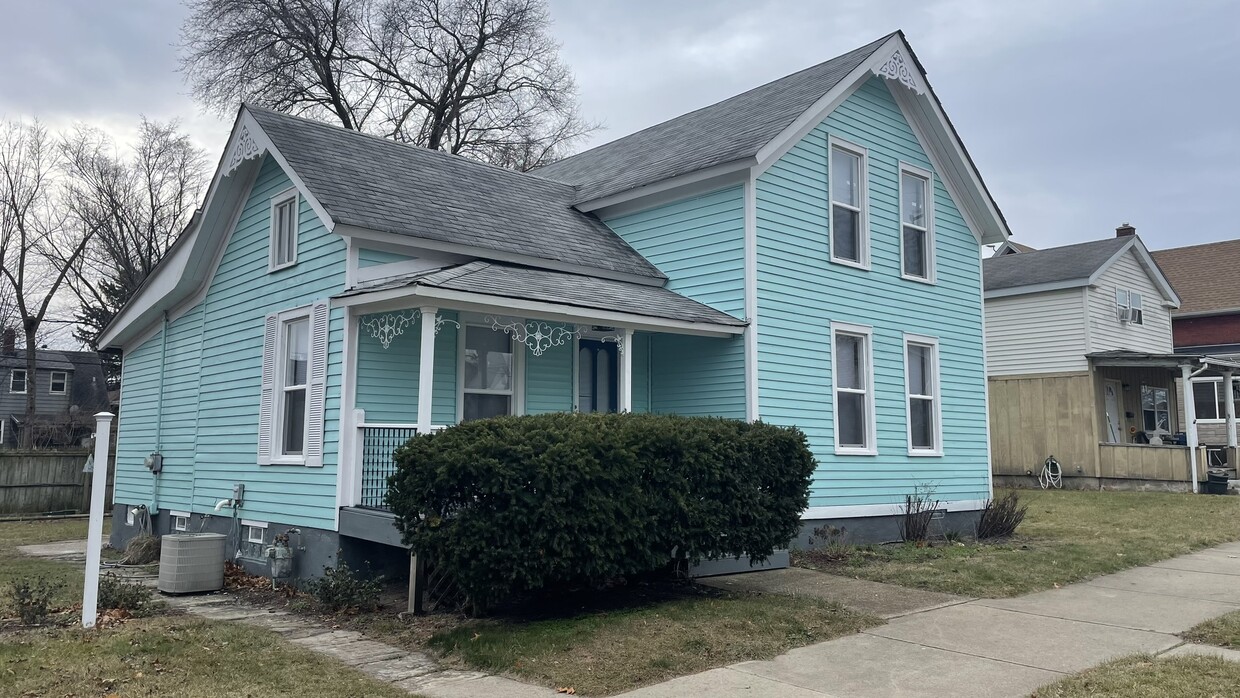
(730, 130)
(1057, 264)
(589, 292)
(378, 184)
(45, 359)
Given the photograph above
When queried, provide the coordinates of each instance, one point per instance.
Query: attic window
(1128, 307)
(283, 230)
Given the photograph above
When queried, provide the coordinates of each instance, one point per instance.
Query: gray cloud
(1080, 115)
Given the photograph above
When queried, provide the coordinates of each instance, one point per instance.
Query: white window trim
(52, 381)
(871, 437)
(936, 384)
(250, 527)
(25, 381)
(1127, 304)
(180, 520)
(863, 223)
(1171, 413)
(1218, 385)
(518, 372)
(928, 176)
(290, 194)
(278, 457)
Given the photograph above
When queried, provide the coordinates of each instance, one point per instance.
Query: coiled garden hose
(1051, 475)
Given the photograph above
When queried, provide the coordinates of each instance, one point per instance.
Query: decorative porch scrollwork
(537, 335)
(617, 339)
(388, 326)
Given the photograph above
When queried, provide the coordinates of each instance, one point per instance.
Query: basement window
(180, 521)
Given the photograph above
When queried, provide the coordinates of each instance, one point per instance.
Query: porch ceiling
(519, 289)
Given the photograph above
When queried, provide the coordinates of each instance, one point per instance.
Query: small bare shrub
(1001, 517)
(832, 543)
(344, 589)
(124, 595)
(142, 549)
(919, 509)
(32, 598)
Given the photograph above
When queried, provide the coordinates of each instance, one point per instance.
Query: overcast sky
(1081, 115)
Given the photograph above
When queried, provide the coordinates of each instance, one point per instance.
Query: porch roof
(520, 284)
(1121, 358)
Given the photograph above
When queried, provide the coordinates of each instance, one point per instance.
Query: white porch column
(625, 403)
(1190, 416)
(426, 369)
(1228, 378)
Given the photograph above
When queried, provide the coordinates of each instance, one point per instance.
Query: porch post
(426, 369)
(1231, 410)
(626, 372)
(1190, 416)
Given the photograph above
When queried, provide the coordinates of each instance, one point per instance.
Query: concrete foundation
(1080, 482)
(884, 529)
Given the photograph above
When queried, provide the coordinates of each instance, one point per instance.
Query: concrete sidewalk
(995, 647)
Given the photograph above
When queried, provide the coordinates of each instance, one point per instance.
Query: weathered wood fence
(40, 482)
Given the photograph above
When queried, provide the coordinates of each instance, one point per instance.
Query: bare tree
(480, 78)
(137, 206)
(40, 242)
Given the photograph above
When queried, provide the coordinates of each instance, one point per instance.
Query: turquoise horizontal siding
(373, 258)
(549, 380)
(641, 371)
(697, 376)
(135, 436)
(387, 379)
(698, 243)
(800, 292)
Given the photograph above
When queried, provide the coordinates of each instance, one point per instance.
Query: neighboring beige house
(1081, 366)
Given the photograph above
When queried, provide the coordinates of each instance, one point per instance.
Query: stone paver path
(414, 672)
(990, 647)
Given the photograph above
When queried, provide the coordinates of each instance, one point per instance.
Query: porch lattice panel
(378, 446)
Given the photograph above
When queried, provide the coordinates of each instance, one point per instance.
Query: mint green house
(806, 253)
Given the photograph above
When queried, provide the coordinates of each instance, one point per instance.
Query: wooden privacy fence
(40, 482)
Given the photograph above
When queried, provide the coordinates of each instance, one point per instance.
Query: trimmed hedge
(517, 504)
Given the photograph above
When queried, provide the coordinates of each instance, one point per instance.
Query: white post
(94, 535)
(626, 372)
(426, 369)
(1190, 416)
(1228, 379)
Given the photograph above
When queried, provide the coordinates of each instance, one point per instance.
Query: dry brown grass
(1146, 677)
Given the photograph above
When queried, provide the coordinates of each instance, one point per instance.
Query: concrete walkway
(996, 647)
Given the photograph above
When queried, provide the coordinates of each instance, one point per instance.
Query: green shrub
(517, 504)
(32, 598)
(342, 589)
(125, 595)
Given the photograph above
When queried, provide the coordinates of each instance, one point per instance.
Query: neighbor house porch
(488, 340)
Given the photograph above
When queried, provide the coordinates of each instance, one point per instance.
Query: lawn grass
(14, 565)
(1067, 536)
(1146, 677)
(173, 656)
(608, 650)
(1223, 631)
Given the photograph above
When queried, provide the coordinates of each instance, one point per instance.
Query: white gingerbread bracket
(244, 149)
(899, 68)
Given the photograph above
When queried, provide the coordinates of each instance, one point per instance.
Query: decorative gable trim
(898, 68)
(244, 148)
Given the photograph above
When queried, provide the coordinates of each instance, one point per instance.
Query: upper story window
(1128, 306)
(916, 224)
(17, 381)
(283, 230)
(59, 383)
(852, 374)
(849, 228)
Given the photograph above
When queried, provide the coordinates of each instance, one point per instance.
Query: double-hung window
(283, 230)
(921, 376)
(294, 377)
(17, 381)
(1128, 306)
(852, 371)
(846, 174)
(1208, 402)
(489, 368)
(916, 224)
(59, 382)
(1155, 408)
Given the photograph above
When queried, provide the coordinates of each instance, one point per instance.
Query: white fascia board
(1156, 275)
(446, 299)
(1036, 288)
(868, 510)
(674, 188)
(410, 242)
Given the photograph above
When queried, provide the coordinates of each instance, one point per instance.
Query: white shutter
(316, 388)
(267, 401)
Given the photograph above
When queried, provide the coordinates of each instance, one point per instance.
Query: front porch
(483, 355)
